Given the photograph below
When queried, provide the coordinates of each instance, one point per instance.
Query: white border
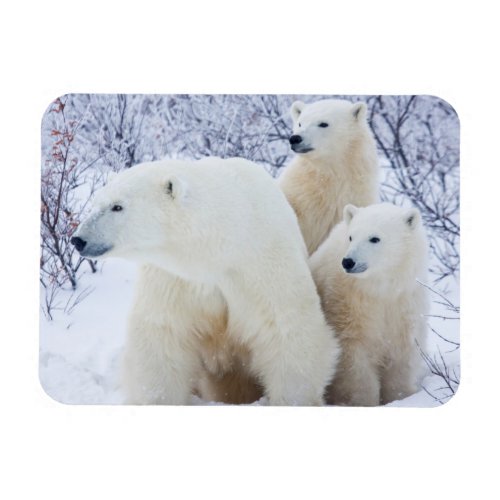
(56, 451)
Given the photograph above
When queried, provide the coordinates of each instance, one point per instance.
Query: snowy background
(84, 137)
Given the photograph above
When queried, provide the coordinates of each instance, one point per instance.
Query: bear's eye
(300, 125)
(350, 238)
(374, 240)
(323, 125)
(116, 208)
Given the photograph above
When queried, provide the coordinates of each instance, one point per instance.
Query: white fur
(341, 168)
(222, 254)
(378, 312)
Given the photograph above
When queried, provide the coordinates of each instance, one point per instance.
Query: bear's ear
(349, 212)
(412, 218)
(296, 109)
(359, 111)
(175, 188)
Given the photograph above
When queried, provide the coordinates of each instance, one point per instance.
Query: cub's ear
(412, 218)
(296, 109)
(176, 188)
(349, 212)
(359, 111)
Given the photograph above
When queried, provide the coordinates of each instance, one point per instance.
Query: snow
(80, 348)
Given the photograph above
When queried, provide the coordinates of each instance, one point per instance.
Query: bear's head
(384, 242)
(324, 129)
(133, 215)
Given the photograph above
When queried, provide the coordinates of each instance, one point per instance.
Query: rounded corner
(48, 108)
(47, 393)
(445, 104)
(452, 397)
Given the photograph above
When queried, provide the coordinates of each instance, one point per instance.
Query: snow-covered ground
(80, 348)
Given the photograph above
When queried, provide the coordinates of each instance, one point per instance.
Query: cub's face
(130, 216)
(378, 239)
(322, 128)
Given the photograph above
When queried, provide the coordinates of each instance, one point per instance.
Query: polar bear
(221, 253)
(366, 273)
(336, 164)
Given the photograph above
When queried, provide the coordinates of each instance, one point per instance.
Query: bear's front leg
(400, 376)
(293, 351)
(402, 372)
(295, 366)
(158, 368)
(356, 382)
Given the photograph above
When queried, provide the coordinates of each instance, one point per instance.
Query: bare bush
(438, 366)
(438, 362)
(250, 126)
(63, 176)
(123, 129)
(418, 138)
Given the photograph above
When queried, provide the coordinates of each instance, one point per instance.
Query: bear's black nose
(348, 264)
(78, 242)
(295, 139)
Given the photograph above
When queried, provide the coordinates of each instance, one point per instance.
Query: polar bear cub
(366, 273)
(336, 164)
(221, 252)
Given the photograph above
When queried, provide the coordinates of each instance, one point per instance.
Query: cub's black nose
(78, 242)
(295, 139)
(348, 264)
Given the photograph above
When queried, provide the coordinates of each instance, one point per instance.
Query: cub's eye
(323, 125)
(116, 208)
(300, 125)
(374, 240)
(350, 238)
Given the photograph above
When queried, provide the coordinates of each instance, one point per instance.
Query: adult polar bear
(366, 273)
(336, 164)
(222, 253)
